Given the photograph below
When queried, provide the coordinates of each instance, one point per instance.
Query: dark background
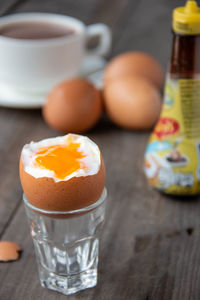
(136, 24)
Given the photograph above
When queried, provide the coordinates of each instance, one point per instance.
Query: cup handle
(105, 39)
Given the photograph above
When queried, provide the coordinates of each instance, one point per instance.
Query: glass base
(69, 284)
(67, 248)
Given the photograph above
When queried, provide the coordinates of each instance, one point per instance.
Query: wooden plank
(77, 9)
(6, 6)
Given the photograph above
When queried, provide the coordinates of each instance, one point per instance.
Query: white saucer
(92, 68)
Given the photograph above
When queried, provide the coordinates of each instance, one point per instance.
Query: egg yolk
(63, 160)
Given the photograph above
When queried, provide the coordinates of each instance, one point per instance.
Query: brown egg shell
(73, 106)
(132, 103)
(9, 251)
(73, 194)
(135, 63)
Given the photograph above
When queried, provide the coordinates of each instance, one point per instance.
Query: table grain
(150, 244)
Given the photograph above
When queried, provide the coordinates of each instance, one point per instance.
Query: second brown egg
(132, 102)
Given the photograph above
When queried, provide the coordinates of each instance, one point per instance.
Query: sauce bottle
(172, 157)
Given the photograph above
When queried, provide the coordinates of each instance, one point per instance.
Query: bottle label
(172, 158)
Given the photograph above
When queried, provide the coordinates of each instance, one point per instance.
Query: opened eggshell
(73, 194)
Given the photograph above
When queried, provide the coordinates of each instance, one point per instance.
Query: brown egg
(52, 193)
(73, 194)
(136, 64)
(73, 106)
(132, 102)
(9, 251)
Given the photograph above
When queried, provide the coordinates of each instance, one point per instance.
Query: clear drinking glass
(67, 245)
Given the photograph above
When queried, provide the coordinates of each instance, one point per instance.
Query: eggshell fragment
(135, 64)
(9, 251)
(132, 102)
(73, 106)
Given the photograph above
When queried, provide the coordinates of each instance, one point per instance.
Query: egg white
(92, 158)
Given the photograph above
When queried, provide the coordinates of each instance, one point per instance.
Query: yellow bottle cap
(186, 19)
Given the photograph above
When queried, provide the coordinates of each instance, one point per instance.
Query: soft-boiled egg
(63, 173)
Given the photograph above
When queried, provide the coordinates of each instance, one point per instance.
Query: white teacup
(35, 66)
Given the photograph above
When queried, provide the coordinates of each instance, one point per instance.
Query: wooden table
(150, 246)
